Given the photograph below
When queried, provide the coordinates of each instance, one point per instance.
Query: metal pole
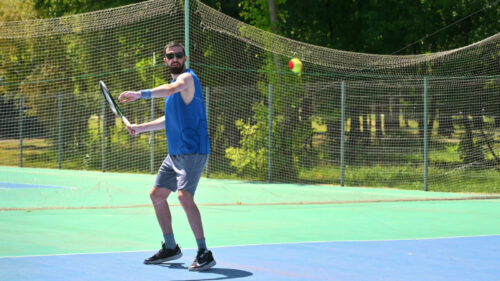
(103, 146)
(186, 32)
(342, 133)
(426, 137)
(21, 131)
(207, 167)
(152, 135)
(270, 145)
(59, 145)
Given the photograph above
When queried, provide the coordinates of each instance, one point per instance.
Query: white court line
(264, 244)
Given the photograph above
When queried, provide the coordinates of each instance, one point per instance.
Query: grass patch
(34, 152)
(10, 152)
(408, 177)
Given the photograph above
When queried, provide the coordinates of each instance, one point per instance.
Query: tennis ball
(295, 65)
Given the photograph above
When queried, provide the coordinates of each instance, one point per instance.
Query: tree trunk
(432, 117)
(445, 123)
(366, 128)
(284, 169)
(354, 135)
(273, 16)
(470, 152)
(392, 117)
(333, 131)
(478, 122)
(378, 124)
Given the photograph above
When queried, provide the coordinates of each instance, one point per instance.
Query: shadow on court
(227, 273)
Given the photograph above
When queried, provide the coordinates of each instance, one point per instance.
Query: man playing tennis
(185, 121)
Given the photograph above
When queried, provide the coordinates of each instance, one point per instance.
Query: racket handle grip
(127, 123)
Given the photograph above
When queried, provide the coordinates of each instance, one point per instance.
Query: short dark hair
(174, 44)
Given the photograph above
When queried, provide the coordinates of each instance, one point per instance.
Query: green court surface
(45, 212)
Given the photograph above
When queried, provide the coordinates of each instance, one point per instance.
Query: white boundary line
(264, 244)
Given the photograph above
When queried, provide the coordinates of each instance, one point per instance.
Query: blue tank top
(186, 125)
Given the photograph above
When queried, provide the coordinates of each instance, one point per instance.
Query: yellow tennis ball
(295, 65)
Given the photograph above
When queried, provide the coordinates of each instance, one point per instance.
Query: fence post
(426, 137)
(342, 133)
(21, 130)
(186, 32)
(207, 94)
(59, 139)
(152, 135)
(270, 144)
(152, 140)
(103, 148)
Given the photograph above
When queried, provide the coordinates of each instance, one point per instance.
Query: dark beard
(178, 69)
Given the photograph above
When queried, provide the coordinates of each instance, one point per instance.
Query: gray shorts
(181, 172)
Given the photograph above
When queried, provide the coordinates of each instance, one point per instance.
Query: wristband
(145, 94)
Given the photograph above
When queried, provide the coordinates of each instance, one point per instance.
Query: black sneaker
(164, 255)
(204, 260)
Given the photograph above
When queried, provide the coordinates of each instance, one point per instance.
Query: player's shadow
(227, 273)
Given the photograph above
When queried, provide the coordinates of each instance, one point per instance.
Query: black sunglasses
(178, 55)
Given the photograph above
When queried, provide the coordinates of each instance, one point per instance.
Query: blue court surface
(466, 258)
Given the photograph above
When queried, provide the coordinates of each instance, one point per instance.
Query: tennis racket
(112, 104)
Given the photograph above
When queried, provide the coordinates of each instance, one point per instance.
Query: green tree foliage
(375, 26)
(368, 26)
(14, 10)
(57, 8)
(12, 54)
(66, 60)
(390, 27)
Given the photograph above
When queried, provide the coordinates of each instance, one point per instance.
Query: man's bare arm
(184, 84)
(154, 125)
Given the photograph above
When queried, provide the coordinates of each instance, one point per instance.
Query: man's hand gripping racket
(114, 107)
